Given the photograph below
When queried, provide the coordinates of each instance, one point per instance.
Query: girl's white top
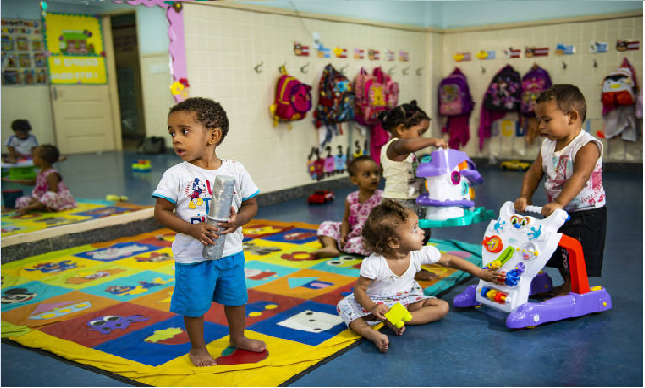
(558, 167)
(188, 187)
(386, 282)
(400, 180)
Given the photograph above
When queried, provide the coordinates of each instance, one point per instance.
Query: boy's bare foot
(380, 340)
(326, 252)
(251, 345)
(201, 357)
(425, 275)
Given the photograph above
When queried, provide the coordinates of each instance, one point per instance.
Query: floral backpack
(534, 82)
(454, 95)
(292, 99)
(504, 91)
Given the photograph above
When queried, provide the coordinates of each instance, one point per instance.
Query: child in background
(387, 275)
(50, 192)
(346, 236)
(197, 127)
(407, 124)
(572, 161)
(21, 145)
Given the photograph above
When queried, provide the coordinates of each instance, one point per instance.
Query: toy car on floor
(519, 247)
(321, 197)
(515, 165)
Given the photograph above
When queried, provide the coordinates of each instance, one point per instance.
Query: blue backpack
(454, 95)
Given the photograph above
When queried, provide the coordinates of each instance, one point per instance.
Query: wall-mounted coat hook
(483, 69)
(564, 65)
(342, 69)
(303, 69)
(595, 63)
(283, 67)
(258, 67)
(419, 70)
(406, 71)
(390, 71)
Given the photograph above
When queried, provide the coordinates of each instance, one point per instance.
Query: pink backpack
(292, 99)
(374, 93)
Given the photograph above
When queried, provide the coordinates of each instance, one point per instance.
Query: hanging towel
(459, 130)
(621, 121)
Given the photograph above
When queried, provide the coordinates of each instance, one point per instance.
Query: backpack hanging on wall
(534, 82)
(504, 91)
(619, 87)
(454, 95)
(292, 99)
(335, 102)
(374, 93)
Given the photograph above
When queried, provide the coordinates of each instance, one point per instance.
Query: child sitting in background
(346, 236)
(21, 145)
(572, 161)
(387, 275)
(50, 192)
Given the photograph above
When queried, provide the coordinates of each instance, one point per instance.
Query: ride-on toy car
(320, 197)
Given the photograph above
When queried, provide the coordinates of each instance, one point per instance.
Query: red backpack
(374, 93)
(292, 99)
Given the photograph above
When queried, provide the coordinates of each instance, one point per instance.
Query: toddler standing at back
(571, 158)
(346, 235)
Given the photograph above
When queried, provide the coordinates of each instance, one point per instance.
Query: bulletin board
(23, 52)
(75, 49)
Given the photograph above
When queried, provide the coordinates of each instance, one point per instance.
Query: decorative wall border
(177, 46)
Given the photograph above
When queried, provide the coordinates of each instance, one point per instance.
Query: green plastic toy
(397, 315)
(470, 217)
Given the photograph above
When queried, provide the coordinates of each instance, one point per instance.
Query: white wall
(579, 71)
(223, 46)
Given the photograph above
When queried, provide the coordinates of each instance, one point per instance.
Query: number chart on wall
(75, 47)
(23, 52)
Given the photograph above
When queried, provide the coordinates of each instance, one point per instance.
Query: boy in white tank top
(572, 161)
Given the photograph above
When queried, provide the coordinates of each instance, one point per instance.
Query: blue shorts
(197, 285)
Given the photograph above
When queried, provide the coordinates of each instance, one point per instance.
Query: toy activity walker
(520, 247)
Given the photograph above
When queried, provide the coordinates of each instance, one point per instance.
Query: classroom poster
(22, 52)
(75, 46)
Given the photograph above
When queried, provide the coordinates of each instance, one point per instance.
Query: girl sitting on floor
(50, 192)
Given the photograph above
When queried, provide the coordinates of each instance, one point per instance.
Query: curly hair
(567, 97)
(49, 153)
(21, 125)
(381, 226)
(208, 112)
(407, 114)
(352, 167)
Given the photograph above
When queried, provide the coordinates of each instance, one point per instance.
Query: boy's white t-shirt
(385, 281)
(23, 146)
(185, 183)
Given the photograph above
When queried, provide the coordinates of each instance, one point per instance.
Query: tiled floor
(468, 348)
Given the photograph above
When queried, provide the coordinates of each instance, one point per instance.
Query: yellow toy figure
(397, 315)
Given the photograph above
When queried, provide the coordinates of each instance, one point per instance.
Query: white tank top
(400, 178)
(558, 167)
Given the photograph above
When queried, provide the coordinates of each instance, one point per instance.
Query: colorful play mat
(106, 305)
(13, 223)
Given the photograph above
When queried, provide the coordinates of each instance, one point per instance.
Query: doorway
(128, 72)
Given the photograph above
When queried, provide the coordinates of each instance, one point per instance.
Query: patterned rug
(106, 305)
(86, 210)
